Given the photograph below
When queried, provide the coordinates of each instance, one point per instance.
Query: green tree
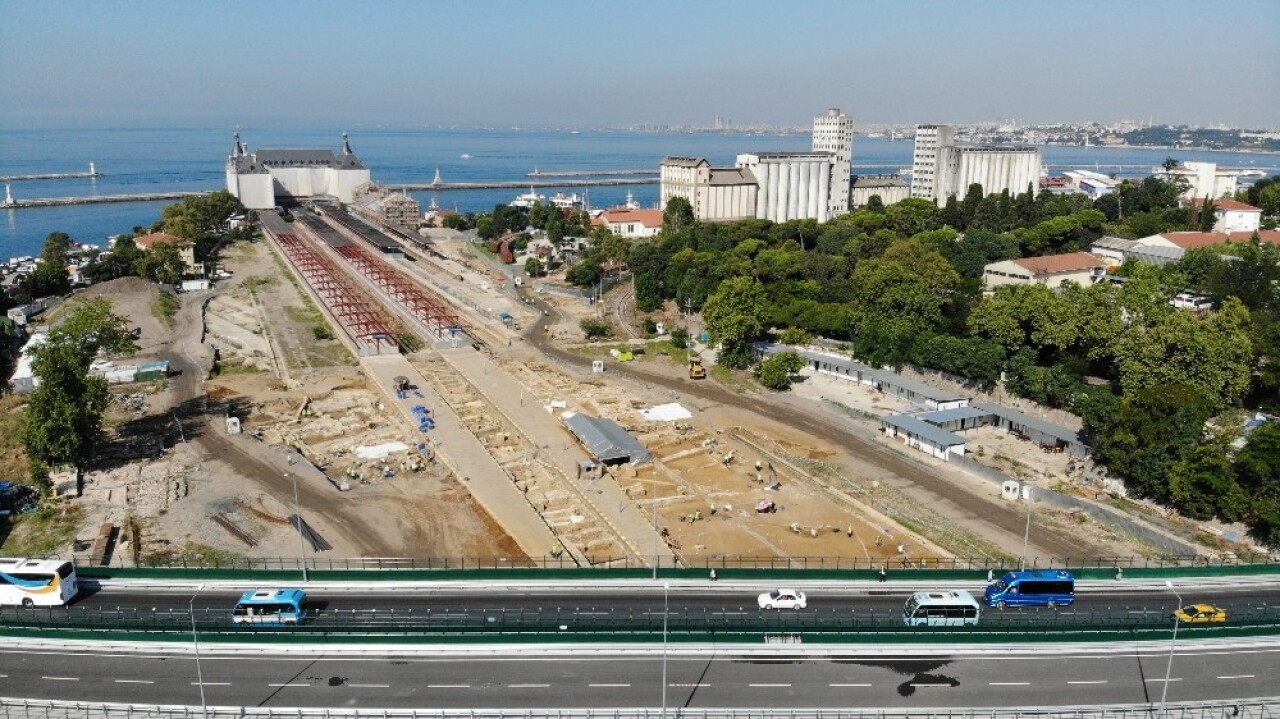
(62, 421)
(1211, 353)
(533, 267)
(1203, 486)
(1154, 429)
(775, 371)
(161, 263)
(677, 215)
(1258, 464)
(912, 216)
(735, 317)
(1033, 316)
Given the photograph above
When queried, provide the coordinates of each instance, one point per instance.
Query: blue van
(1045, 588)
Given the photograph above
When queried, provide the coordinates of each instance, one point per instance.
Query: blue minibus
(1041, 588)
(270, 606)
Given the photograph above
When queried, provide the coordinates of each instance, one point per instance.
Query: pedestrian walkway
(562, 453)
(469, 459)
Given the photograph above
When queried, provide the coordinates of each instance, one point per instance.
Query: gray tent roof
(1045, 427)
(922, 429)
(606, 440)
(951, 415)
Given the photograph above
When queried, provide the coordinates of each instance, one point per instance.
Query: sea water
(171, 160)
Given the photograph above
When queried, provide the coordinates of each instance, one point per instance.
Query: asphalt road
(867, 601)
(719, 681)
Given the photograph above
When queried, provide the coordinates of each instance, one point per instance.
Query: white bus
(955, 608)
(37, 582)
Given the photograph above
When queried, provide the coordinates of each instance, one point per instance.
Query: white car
(782, 599)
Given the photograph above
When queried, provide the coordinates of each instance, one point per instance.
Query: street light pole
(297, 512)
(1168, 670)
(1026, 534)
(653, 485)
(665, 587)
(195, 642)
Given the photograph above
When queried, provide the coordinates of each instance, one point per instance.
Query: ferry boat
(528, 199)
(567, 202)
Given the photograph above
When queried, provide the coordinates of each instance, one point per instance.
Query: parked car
(1200, 614)
(783, 599)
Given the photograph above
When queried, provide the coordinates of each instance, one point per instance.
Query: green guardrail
(589, 624)
(892, 574)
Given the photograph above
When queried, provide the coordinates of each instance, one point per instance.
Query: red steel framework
(435, 314)
(360, 321)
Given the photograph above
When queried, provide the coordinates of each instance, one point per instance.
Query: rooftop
(1053, 264)
(922, 429)
(1223, 203)
(648, 218)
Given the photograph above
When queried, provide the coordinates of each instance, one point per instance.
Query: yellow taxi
(1200, 614)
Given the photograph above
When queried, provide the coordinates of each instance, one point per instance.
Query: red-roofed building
(630, 223)
(1231, 215)
(186, 249)
(1052, 271)
(1192, 240)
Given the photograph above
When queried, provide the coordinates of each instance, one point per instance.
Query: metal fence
(1264, 708)
(604, 564)
(585, 622)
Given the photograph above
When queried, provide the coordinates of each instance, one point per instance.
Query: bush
(649, 326)
(595, 329)
(680, 337)
(322, 332)
(409, 342)
(775, 371)
(795, 336)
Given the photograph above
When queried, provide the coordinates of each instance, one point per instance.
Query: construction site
(387, 396)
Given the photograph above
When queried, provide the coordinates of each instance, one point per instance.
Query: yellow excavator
(696, 370)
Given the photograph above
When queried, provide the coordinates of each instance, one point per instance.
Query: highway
(733, 597)
(718, 679)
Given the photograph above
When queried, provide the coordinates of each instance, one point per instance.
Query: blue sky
(605, 63)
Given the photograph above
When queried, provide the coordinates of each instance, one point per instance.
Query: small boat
(465, 156)
(631, 203)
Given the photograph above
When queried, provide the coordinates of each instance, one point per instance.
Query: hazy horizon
(401, 65)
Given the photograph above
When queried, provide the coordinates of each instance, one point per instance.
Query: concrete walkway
(469, 459)
(557, 446)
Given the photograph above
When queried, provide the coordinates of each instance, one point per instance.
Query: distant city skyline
(577, 64)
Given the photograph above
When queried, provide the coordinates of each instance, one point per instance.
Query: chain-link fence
(605, 564)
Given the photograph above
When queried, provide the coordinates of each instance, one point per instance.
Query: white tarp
(380, 451)
(666, 412)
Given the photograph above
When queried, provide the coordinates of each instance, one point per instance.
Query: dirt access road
(190, 359)
(929, 487)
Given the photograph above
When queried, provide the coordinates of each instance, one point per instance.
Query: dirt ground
(725, 482)
(185, 502)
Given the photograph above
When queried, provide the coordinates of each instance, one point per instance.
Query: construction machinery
(696, 370)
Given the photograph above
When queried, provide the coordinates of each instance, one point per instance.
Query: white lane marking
(134, 681)
(211, 684)
(1238, 676)
(448, 686)
(1175, 679)
(1094, 681)
(370, 686)
(61, 679)
(1008, 684)
(848, 685)
(768, 685)
(608, 685)
(688, 685)
(528, 686)
(289, 685)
